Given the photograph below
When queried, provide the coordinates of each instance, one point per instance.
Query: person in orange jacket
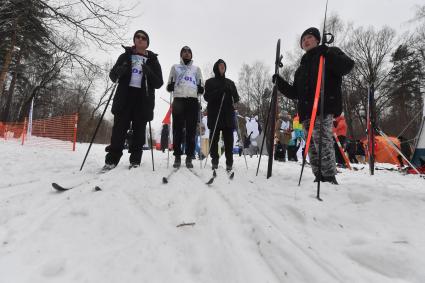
(340, 129)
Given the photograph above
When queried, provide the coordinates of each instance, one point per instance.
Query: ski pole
(313, 117)
(150, 137)
(200, 121)
(370, 129)
(170, 131)
(98, 124)
(150, 129)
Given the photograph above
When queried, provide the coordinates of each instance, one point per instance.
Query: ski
(273, 107)
(61, 188)
(211, 180)
(194, 172)
(271, 117)
(166, 178)
(230, 174)
(133, 166)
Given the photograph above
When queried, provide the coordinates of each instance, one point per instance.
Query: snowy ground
(367, 229)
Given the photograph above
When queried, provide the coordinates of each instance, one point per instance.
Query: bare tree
(371, 52)
(80, 22)
(106, 92)
(254, 83)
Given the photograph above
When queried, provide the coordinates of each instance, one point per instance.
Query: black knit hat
(141, 31)
(313, 31)
(185, 48)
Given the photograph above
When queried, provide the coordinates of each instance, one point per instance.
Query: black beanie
(141, 31)
(313, 31)
(184, 48)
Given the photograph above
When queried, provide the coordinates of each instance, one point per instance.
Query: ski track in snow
(249, 229)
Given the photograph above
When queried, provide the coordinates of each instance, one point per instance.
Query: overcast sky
(244, 31)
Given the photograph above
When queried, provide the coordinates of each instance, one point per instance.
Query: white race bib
(136, 70)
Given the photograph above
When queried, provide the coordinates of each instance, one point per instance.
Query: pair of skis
(166, 179)
(61, 188)
(230, 175)
(271, 117)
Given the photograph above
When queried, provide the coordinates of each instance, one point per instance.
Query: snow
(251, 229)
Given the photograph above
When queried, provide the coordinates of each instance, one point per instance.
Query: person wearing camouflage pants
(303, 89)
(328, 167)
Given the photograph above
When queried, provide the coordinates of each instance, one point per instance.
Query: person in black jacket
(221, 92)
(138, 74)
(164, 137)
(303, 89)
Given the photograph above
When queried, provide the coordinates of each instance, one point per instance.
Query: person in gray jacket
(185, 83)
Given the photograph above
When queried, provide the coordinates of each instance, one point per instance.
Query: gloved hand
(121, 70)
(200, 89)
(277, 78)
(170, 86)
(322, 50)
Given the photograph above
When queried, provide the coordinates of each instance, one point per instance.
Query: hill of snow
(250, 229)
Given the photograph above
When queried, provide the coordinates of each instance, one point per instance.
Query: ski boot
(189, 163)
(177, 162)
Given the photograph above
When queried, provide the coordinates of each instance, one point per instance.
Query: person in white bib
(138, 74)
(185, 82)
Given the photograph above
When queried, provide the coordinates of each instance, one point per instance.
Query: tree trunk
(8, 57)
(6, 111)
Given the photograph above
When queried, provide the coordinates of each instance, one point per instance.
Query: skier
(303, 89)
(253, 131)
(283, 133)
(138, 74)
(164, 137)
(221, 94)
(340, 129)
(185, 82)
(405, 149)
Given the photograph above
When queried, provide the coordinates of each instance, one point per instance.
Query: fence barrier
(60, 131)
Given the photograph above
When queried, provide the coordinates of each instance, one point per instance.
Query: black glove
(121, 70)
(277, 78)
(200, 89)
(170, 87)
(322, 50)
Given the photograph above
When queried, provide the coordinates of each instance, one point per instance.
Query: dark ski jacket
(144, 103)
(215, 88)
(337, 64)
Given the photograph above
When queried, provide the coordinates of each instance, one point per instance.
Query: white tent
(419, 152)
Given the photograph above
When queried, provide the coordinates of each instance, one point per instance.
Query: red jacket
(341, 127)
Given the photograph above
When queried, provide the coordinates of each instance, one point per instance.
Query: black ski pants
(185, 116)
(228, 144)
(122, 121)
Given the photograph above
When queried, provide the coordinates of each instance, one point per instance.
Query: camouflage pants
(328, 165)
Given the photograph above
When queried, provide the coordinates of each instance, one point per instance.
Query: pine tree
(404, 88)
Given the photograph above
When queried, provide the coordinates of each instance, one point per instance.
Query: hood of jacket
(216, 71)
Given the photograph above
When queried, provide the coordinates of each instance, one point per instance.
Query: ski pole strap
(315, 104)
